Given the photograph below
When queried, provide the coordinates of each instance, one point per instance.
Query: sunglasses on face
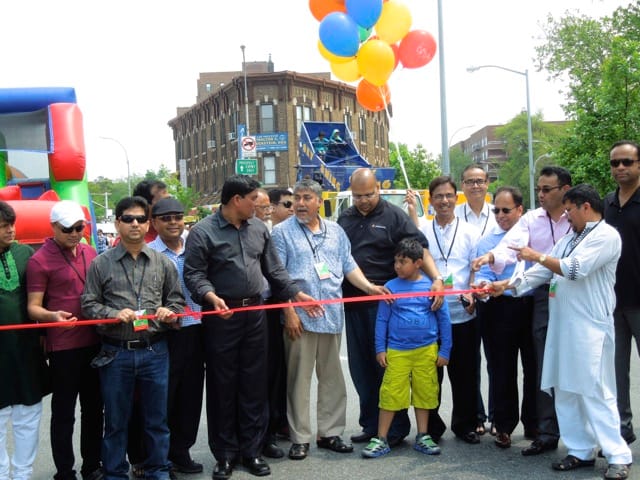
(627, 162)
(287, 204)
(170, 218)
(504, 210)
(132, 218)
(67, 230)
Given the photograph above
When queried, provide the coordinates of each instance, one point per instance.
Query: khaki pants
(322, 351)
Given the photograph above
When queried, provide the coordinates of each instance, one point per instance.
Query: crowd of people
(547, 285)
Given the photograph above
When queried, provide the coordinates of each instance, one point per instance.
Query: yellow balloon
(376, 62)
(330, 56)
(394, 22)
(347, 71)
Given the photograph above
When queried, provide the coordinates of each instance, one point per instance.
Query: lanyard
(576, 240)
(553, 237)
(314, 250)
(84, 264)
(435, 234)
(485, 222)
(144, 267)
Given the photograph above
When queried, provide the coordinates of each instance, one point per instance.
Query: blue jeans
(148, 368)
(366, 373)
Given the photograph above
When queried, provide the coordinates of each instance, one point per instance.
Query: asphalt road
(457, 461)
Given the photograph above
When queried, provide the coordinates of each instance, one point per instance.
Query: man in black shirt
(374, 227)
(226, 256)
(622, 211)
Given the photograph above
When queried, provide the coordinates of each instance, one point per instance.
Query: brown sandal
(570, 463)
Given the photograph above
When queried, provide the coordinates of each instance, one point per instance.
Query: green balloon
(364, 33)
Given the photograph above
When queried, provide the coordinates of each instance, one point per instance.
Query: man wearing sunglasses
(129, 283)
(56, 275)
(186, 348)
(539, 229)
(282, 202)
(622, 211)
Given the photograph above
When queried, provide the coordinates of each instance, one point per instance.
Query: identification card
(448, 282)
(322, 270)
(552, 289)
(140, 323)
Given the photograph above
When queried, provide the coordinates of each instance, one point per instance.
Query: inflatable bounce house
(42, 158)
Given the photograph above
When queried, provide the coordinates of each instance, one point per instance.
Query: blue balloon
(364, 12)
(339, 34)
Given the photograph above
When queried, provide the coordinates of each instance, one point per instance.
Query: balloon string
(397, 147)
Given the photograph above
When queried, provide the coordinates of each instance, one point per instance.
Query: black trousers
(276, 372)
(186, 384)
(462, 371)
(236, 363)
(73, 377)
(506, 332)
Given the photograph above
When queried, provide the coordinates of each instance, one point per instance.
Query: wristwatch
(542, 258)
(439, 277)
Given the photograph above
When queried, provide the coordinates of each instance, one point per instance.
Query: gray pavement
(457, 461)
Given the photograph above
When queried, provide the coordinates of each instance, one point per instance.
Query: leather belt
(131, 344)
(242, 302)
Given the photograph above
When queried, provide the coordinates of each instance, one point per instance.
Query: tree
(420, 166)
(601, 60)
(458, 160)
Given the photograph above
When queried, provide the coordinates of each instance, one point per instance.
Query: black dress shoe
(256, 466)
(272, 450)
(298, 451)
(470, 437)
(537, 447)
(362, 437)
(335, 444)
(222, 470)
(187, 467)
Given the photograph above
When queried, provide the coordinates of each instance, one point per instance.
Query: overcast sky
(133, 63)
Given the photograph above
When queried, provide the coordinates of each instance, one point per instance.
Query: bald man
(374, 227)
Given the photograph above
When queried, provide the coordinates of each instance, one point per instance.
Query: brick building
(206, 134)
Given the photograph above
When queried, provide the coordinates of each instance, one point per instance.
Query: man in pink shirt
(56, 274)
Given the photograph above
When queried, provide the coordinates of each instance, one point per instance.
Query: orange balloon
(372, 97)
(376, 61)
(322, 8)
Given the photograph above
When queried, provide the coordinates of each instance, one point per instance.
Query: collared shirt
(178, 260)
(374, 238)
(302, 251)
(626, 220)
(453, 247)
(116, 280)
(60, 275)
(484, 222)
(231, 261)
(535, 229)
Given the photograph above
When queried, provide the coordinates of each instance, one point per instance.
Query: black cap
(166, 205)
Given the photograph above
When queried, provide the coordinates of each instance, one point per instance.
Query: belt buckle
(133, 344)
(245, 302)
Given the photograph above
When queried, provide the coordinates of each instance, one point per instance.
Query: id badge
(322, 270)
(552, 289)
(448, 282)
(140, 324)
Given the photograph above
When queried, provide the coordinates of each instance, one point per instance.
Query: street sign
(247, 166)
(248, 147)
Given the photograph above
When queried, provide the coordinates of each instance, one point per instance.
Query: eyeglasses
(627, 162)
(474, 181)
(68, 230)
(442, 196)
(546, 189)
(132, 218)
(368, 196)
(504, 210)
(287, 204)
(176, 217)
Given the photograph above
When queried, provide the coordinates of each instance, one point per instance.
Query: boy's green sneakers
(377, 447)
(425, 444)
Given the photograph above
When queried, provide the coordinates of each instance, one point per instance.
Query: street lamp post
(126, 157)
(246, 94)
(532, 199)
(446, 167)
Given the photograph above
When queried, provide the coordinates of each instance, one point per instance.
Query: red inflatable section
(12, 192)
(69, 160)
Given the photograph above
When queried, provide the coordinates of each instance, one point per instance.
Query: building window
(267, 123)
(376, 135)
(269, 170)
(195, 144)
(362, 129)
(347, 120)
(304, 113)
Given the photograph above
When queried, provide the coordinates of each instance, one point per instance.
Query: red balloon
(371, 97)
(322, 8)
(396, 53)
(417, 48)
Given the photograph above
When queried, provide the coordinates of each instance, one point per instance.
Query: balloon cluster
(365, 40)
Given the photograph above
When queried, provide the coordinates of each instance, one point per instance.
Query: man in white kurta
(579, 349)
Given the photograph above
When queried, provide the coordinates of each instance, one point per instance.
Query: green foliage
(458, 160)
(420, 166)
(601, 60)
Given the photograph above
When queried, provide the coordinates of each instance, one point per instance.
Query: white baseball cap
(66, 213)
